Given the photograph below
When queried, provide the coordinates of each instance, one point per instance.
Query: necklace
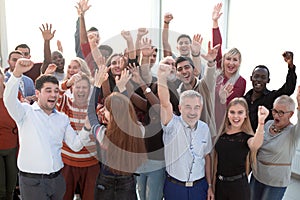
(275, 130)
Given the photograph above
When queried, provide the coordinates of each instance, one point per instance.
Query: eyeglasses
(280, 113)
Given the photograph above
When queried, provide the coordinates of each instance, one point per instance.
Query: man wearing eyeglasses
(272, 173)
(260, 95)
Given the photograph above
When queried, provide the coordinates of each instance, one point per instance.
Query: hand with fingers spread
(101, 75)
(196, 45)
(225, 91)
(59, 46)
(146, 47)
(216, 14)
(211, 54)
(94, 39)
(51, 68)
(47, 32)
(82, 7)
(122, 80)
(135, 71)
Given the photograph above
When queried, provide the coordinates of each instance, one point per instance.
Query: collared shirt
(186, 148)
(267, 98)
(40, 134)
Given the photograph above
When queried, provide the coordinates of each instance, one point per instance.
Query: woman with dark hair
(120, 136)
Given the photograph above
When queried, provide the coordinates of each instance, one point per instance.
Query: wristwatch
(147, 90)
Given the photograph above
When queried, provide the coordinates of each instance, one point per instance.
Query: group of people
(106, 128)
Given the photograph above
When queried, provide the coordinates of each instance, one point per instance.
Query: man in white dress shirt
(41, 132)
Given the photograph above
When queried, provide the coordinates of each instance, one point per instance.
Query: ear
(250, 78)
(179, 107)
(37, 93)
(268, 80)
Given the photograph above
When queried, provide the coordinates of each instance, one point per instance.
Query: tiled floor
(293, 190)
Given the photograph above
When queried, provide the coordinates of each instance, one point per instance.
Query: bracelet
(196, 55)
(210, 185)
(166, 22)
(86, 129)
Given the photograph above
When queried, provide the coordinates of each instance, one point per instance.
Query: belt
(186, 184)
(275, 164)
(231, 178)
(41, 176)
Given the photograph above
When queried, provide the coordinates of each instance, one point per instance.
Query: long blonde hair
(246, 128)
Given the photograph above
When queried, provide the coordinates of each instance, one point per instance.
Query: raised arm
(141, 32)
(166, 108)
(146, 52)
(255, 142)
(165, 35)
(130, 46)
(216, 34)
(196, 50)
(47, 34)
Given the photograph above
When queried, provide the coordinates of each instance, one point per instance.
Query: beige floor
(293, 190)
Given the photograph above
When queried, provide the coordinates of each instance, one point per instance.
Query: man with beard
(260, 95)
(42, 129)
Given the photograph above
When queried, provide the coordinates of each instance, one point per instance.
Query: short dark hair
(13, 52)
(184, 36)
(184, 58)
(107, 48)
(25, 46)
(45, 78)
(262, 67)
(92, 29)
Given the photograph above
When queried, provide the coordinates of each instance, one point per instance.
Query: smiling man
(41, 132)
(260, 95)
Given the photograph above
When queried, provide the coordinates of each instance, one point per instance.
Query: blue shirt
(186, 148)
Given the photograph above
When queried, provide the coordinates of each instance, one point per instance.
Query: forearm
(165, 41)
(210, 77)
(197, 63)
(82, 30)
(47, 56)
(92, 116)
(258, 137)
(217, 39)
(208, 169)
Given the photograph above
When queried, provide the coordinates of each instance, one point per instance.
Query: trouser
(115, 188)
(84, 176)
(41, 188)
(265, 192)
(8, 173)
(174, 191)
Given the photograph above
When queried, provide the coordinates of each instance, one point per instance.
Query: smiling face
(260, 78)
(184, 46)
(116, 65)
(190, 109)
(47, 97)
(185, 73)
(58, 59)
(231, 64)
(73, 68)
(236, 115)
(81, 91)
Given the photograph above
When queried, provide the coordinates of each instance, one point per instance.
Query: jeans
(265, 192)
(115, 187)
(150, 183)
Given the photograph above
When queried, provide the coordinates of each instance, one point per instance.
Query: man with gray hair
(187, 142)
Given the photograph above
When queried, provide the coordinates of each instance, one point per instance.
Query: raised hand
(168, 17)
(82, 6)
(74, 78)
(126, 35)
(211, 53)
(142, 32)
(59, 46)
(135, 71)
(146, 47)
(288, 58)
(225, 91)
(165, 68)
(216, 14)
(263, 113)
(50, 69)
(101, 75)
(47, 32)
(122, 80)
(22, 65)
(196, 44)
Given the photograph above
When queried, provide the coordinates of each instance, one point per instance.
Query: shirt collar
(36, 106)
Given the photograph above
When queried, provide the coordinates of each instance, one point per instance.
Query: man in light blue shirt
(41, 132)
(187, 143)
